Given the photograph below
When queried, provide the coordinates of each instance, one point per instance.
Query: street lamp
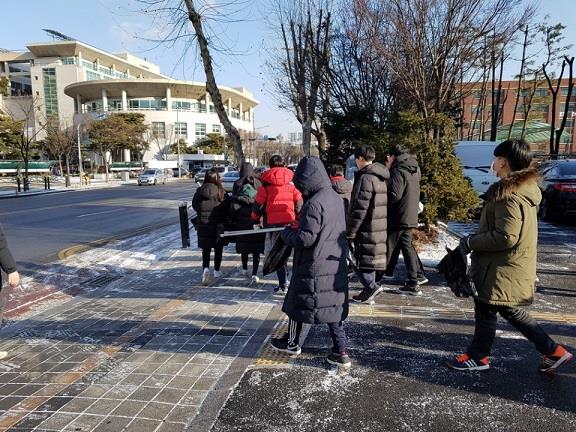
(177, 127)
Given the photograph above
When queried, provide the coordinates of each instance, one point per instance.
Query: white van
(476, 158)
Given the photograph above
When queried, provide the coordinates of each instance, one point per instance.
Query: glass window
(181, 129)
(541, 92)
(202, 106)
(200, 130)
(159, 129)
(216, 128)
(92, 75)
(50, 91)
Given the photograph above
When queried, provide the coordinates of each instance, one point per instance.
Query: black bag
(220, 228)
(454, 268)
(277, 256)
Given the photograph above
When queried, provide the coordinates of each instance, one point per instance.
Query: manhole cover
(102, 280)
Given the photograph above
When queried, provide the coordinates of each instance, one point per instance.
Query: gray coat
(318, 291)
(367, 224)
(403, 193)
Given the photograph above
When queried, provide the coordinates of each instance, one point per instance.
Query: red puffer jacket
(277, 199)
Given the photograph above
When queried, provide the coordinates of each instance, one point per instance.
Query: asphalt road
(39, 227)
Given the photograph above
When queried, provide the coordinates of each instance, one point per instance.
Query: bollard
(184, 226)
(18, 183)
(46, 183)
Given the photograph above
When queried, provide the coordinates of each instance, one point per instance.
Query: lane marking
(97, 213)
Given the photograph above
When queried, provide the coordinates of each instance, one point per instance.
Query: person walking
(246, 170)
(318, 290)
(240, 213)
(504, 260)
(342, 186)
(8, 265)
(403, 203)
(367, 225)
(278, 203)
(210, 202)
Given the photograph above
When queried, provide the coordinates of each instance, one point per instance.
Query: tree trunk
(554, 91)
(570, 62)
(60, 165)
(67, 164)
(520, 78)
(211, 85)
(306, 137)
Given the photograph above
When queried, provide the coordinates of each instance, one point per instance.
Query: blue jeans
(367, 278)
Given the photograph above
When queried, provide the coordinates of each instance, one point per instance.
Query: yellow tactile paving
(269, 356)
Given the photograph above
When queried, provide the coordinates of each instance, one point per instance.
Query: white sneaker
(255, 279)
(217, 274)
(3, 354)
(206, 276)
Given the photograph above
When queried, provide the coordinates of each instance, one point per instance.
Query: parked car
(558, 186)
(152, 177)
(199, 177)
(476, 158)
(228, 180)
(184, 173)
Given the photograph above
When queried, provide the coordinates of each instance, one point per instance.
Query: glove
(465, 244)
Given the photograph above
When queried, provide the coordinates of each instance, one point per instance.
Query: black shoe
(281, 344)
(368, 295)
(407, 289)
(337, 359)
(280, 290)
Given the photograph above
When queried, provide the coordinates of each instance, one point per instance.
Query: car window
(567, 169)
(149, 172)
(231, 174)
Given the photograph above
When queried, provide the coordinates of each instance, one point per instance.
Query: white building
(78, 83)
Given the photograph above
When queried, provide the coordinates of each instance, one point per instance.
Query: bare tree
(303, 65)
(60, 142)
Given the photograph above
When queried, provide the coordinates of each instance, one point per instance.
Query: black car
(558, 186)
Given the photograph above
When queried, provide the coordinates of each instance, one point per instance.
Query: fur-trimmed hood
(523, 183)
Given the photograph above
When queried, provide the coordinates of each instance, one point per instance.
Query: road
(39, 227)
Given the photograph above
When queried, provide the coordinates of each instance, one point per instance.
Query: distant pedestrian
(367, 222)
(241, 204)
(318, 290)
(246, 170)
(403, 206)
(8, 265)
(339, 183)
(504, 260)
(278, 203)
(210, 203)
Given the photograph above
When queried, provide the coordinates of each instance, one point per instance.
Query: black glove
(465, 244)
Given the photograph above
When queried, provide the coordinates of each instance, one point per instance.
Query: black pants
(255, 262)
(393, 260)
(217, 257)
(401, 241)
(337, 333)
(486, 317)
(367, 278)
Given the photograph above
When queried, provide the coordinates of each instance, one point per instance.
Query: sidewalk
(138, 344)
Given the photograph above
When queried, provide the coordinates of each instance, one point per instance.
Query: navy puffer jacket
(318, 291)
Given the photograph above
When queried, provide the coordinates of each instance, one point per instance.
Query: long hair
(212, 177)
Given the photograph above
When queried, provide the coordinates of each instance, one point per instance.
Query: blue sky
(120, 25)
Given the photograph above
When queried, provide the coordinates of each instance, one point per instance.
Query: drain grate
(102, 280)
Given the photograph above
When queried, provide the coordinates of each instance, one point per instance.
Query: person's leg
(367, 278)
(392, 252)
(338, 335)
(244, 258)
(281, 277)
(290, 342)
(371, 289)
(410, 257)
(486, 318)
(218, 251)
(205, 258)
(294, 330)
(255, 263)
(528, 326)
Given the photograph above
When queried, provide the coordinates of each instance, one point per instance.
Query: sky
(122, 25)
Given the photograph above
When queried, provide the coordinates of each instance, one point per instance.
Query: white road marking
(97, 213)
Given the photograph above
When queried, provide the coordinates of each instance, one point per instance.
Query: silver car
(152, 177)
(228, 180)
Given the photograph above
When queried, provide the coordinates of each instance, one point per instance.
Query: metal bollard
(18, 184)
(184, 226)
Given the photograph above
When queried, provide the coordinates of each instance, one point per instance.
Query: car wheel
(155, 182)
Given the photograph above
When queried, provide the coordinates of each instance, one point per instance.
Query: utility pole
(80, 168)
(177, 127)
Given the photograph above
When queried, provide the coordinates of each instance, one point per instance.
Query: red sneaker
(464, 362)
(553, 361)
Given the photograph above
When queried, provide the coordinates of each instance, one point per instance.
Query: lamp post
(177, 127)
(80, 167)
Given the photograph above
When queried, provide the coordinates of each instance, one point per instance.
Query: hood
(247, 191)
(406, 162)
(246, 170)
(311, 176)
(523, 183)
(279, 176)
(209, 191)
(341, 185)
(376, 169)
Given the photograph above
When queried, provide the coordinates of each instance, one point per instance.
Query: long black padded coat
(318, 291)
(7, 262)
(403, 193)
(367, 217)
(211, 211)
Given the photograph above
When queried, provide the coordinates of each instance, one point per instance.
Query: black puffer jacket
(240, 210)
(403, 193)
(7, 262)
(211, 211)
(367, 224)
(318, 291)
(343, 188)
(246, 170)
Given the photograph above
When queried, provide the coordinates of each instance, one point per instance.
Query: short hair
(517, 153)
(398, 149)
(366, 151)
(336, 170)
(276, 161)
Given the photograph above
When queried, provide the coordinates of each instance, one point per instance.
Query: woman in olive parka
(504, 260)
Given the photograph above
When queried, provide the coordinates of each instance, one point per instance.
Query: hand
(14, 279)
(465, 244)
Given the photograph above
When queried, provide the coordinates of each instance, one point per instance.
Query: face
(500, 167)
(390, 161)
(360, 162)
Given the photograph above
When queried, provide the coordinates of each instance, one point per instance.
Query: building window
(92, 76)
(216, 128)
(159, 129)
(50, 92)
(200, 131)
(476, 94)
(147, 104)
(541, 92)
(181, 129)
(202, 106)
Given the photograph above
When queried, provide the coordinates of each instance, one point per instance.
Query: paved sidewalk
(140, 345)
